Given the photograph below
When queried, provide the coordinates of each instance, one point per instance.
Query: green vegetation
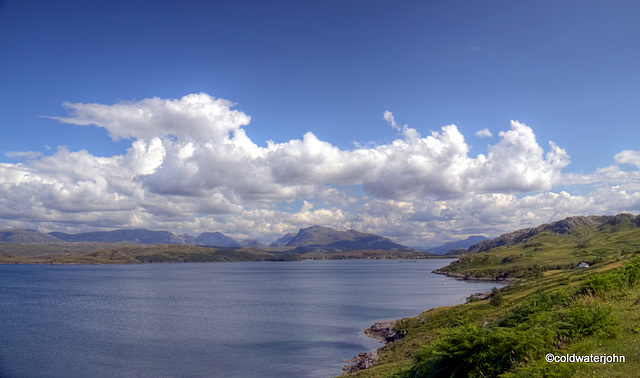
(587, 312)
(124, 253)
(38, 249)
(548, 251)
(551, 306)
(132, 254)
(497, 299)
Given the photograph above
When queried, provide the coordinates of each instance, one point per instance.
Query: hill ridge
(25, 235)
(569, 225)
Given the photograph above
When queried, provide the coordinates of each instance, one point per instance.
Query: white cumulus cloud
(195, 116)
(192, 168)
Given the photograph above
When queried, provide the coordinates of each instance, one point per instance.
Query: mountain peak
(320, 237)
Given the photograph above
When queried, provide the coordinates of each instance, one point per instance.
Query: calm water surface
(264, 319)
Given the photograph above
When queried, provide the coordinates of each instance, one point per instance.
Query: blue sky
(567, 71)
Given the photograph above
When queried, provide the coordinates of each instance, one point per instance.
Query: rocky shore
(360, 362)
(479, 296)
(466, 277)
(383, 331)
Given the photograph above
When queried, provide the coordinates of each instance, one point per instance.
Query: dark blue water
(265, 319)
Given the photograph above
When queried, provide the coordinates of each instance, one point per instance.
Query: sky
(423, 121)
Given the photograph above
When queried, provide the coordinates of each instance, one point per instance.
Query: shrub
(583, 319)
(614, 281)
(471, 351)
(497, 299)
(539, 304)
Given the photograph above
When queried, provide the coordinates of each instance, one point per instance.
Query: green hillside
(552, 306)
(559, 245)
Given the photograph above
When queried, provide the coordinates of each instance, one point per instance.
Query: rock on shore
(479, 296)
(360, 362)
(383, 331)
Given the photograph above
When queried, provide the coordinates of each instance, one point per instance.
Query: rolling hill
(558, 245)
(579, 226)
(215, 239)
(22, 235)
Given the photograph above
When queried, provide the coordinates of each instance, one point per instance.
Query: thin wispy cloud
(484, 133)
(628, 157)
(388, 116)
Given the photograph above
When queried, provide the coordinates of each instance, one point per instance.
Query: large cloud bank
(192, 168)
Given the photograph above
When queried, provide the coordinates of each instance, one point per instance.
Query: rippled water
(264, 319)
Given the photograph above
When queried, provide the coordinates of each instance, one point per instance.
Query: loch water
(255, 319)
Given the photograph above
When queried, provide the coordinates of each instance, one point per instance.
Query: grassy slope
(552, 307)
(548, 251)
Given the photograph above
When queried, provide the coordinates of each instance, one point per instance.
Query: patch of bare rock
(383, 331)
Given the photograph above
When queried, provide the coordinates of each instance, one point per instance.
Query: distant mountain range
(315, 238)
(586, 231)
(141, 236)
(324, 239)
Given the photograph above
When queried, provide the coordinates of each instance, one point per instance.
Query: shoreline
(105, 253)
(462, 277)
(10, 259)
(386, 333)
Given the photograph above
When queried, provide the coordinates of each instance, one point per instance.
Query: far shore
(103, 253)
